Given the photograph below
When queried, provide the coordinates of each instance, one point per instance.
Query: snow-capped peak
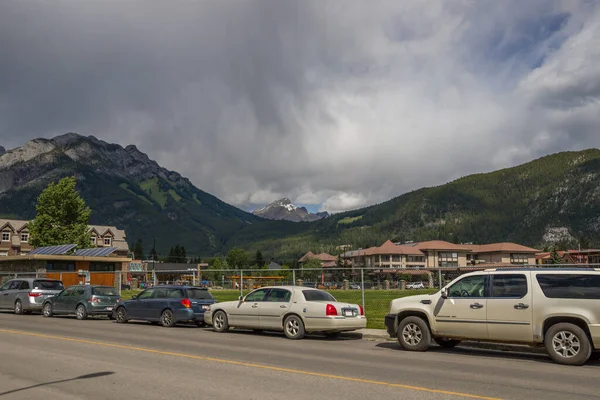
(286, 210)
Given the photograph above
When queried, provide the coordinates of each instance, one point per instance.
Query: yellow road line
(252, 365)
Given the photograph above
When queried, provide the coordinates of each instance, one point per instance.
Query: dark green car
(82, 301)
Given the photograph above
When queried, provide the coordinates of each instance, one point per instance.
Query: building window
(415, 258)
(24, 237)
(395, 258)
(60, 266)
(102, 267)
(519, 259)
(3, 253)
(448, 260)
(93, 240)
(107, 241)
(5, 236)
(385, 258)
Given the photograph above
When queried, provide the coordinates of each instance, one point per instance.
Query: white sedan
(295, 310)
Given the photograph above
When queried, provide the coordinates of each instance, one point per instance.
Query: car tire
(447, 343)
(567, 344)
(220, 322)
(333, 335)
(293, 327)
(121, 315)
(81, 312)
(167, 319)
(47, 310)
(18, 307)
(414, 334)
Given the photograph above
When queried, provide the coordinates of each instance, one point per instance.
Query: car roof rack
(545, 269)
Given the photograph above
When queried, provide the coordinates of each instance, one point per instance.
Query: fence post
(440, 278)
(293, 277)
(362, 287)
(241, 283)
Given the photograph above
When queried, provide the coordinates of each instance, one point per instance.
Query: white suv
(553, 307)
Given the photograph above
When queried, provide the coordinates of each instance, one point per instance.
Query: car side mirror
(134, 297)
(444, 293)
(241, 299)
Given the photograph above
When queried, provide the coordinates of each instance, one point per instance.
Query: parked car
(415, 285)
(82, 301)
(295, 310)
(354, 286)
(551, 307)
(166, 304)
(26, 295)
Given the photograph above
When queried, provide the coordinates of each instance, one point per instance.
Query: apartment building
(15, 238)
(440, 254)
(327, 260)
(584, 256)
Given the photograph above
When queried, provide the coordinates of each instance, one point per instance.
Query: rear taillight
(94, 300)
(362, 312)
(186, 303)
(33, 294)
(330, 310)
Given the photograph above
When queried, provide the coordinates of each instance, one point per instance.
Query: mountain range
(553, 199)
(284, 209)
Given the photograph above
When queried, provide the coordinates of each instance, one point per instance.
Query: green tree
(62, 216)
(312, 269)
(238, 258)
(259, 261)
(138, 249)
(555, 257)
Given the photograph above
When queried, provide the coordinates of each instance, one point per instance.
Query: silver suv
(556, 308)
(28, 294)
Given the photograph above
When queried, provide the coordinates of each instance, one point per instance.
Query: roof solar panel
(53, 250)
(96, 252)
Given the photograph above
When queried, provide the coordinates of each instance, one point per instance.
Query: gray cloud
(340, 103)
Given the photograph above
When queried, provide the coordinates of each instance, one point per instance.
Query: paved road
(62, 358)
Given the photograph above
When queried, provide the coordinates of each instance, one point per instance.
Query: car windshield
(317, 295)
(199, 294)
(48, 285)
(105, 291)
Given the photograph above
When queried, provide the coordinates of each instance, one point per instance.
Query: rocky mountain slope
(124, 188)
(283, 209)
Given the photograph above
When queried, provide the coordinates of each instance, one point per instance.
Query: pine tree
(138, 249)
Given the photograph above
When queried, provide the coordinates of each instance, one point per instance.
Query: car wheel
(81, 312)
(47, 310)
(121, 316)
(220, 322)
(166, 319)
(447, 343)
(414, 334)
(567, 344)
(18, 307)
(293, 327)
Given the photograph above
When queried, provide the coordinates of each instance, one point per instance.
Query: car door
(59, 305)
(245, 314)
(463, 313)
(509, 308)
(138, 308)
(157, 303)
(10, 295)
(271, 311)
(4, 294)
(76, 296)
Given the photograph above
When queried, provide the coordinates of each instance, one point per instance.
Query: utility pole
(153, 265)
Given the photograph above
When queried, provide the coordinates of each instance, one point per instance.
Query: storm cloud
(338, 104)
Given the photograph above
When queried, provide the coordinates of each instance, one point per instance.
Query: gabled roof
(306, 256)
(325, 257)
(390, 248)
(505, 247)
(14, 224)
(274, 266)
(440, 245)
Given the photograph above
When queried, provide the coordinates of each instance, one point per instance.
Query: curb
(384, 337)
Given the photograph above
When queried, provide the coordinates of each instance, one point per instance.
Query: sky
(335, 104)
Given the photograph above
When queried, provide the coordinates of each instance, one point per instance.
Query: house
(15, 238)
(327, 260)
(587, 256)
(440, 254)
(273, 266)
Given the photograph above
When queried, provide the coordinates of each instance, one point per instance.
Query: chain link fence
(372, 288)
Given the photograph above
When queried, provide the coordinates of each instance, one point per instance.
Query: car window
(48, 285)
(24, 285)
(570, 286)
(78, 291)
(146, 294)
(14, 285)
(199, 294)
(67, 291)
(160, 294)
(257, 295)
(317, 295)
(174, 293)
(509, 285)
(6, 285)
(279, 295)
(470, 286)
(105, 291)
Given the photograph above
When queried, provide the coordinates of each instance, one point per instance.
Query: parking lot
(62, 358)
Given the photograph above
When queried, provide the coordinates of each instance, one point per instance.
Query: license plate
(109, 308)
(348, 313)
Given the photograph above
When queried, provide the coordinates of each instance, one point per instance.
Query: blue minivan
(167, 305)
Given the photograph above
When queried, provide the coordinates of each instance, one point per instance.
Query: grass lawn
(376, 301)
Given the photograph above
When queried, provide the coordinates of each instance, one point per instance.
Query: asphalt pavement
(62, 358)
